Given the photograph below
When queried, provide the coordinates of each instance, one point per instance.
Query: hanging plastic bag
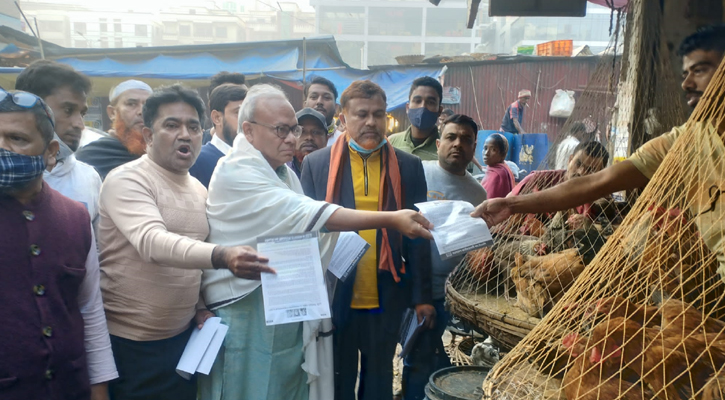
(563, 104)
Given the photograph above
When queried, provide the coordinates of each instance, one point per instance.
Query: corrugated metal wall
(487, 88)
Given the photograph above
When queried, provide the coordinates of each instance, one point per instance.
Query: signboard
(451, 95)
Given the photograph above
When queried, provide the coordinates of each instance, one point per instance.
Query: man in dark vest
(54, 342)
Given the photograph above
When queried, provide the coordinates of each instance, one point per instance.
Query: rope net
(642, 316)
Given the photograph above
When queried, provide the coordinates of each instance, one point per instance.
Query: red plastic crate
(559, 48)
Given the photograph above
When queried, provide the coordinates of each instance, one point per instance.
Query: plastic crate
(559, 48)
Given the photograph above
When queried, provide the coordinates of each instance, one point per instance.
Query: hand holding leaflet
(455, 232)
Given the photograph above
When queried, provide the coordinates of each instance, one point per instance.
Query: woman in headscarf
(499, 180)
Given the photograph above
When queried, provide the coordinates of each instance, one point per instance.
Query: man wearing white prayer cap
(514, 117)
(125, 142)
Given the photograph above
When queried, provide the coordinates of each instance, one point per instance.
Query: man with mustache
(65, 91)
(313, 137)
(151, 235)
(125, 142)
(447, 179)
(363, 171)
(321, 95)
(702, 53)
(224, 102)
(424, 108)
(54, 341)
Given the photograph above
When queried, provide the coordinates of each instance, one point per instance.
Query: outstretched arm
(407, 222)
(570, 194)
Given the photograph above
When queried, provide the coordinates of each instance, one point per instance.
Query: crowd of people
(112, 253)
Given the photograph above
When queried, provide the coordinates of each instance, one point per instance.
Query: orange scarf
(389, 178)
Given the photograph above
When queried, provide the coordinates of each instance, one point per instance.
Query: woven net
(505, 290)
(644, 318)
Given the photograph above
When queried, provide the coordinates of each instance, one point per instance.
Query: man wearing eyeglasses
(313, 137)
(54, 341)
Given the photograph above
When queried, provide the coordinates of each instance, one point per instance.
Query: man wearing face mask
(125, 142)
(363, 171)
(65, 91)
(54, 341)
(424, 108)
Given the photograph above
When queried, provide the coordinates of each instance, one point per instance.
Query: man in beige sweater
(152, 231)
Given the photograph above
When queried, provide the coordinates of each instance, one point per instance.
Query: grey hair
(256, 93)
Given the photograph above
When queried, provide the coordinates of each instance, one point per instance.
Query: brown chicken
(680, 318)
(715, 387)
(586, 379)
(670, 365)
(613, 307)
(541, 281)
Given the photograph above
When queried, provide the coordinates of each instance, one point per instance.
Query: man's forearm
(518, 127)
(578, 191)
(357, 220)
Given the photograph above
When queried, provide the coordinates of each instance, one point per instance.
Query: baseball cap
(310, 112)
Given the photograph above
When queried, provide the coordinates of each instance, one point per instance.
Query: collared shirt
(366, 181)
(426, 150)
(220, 144)
(514, 112)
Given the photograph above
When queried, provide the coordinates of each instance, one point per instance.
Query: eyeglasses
(282, 130)
(314, 132)
(26, 100)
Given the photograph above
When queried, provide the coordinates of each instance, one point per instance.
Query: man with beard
(702, 53)
(224, 102)
(363, 171)
(321, 95)
(313, 137)
(447, 179)
(222, 78)
(125, 142)
(424, 108)
(65, 91)
(54, 341)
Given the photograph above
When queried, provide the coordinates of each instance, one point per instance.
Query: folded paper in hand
(202, 348)
(454, 231)
(409, 331)
(349, 249)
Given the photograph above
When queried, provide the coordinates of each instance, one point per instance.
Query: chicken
(680, 318)
(541, 281)
(532, 226)
(715, 387)
(557, 355)
(670, 365)
(586, 379)
(613, 307)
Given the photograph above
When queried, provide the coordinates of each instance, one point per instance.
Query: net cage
(506, 290)
(644, 318)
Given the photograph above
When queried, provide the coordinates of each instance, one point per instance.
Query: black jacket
(415, 285)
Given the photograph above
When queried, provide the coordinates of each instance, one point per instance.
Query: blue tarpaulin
(527, 151)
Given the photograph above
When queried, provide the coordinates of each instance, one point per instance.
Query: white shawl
(247, 199)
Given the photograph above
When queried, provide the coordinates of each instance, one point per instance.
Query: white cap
(128, 85)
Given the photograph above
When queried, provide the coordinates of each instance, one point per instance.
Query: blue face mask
(17, 170)
(365, 151)
(422, 118)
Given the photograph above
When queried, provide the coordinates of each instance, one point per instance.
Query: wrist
(218, 256)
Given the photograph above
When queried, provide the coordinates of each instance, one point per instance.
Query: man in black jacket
(364, 172)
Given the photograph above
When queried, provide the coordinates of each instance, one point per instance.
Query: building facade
(375, 32)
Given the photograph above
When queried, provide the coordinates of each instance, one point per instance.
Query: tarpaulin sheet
(194, 66)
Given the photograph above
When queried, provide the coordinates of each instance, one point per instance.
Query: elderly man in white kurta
(251, 194)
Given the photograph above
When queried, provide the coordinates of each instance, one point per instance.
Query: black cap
(311, 112)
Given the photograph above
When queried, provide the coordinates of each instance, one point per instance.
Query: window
(192, 11)
(118, 42)
(230, 6)
(79, 28)
(220, 32)
(171, 28)
(395, 21)
(103, 25)
(117, 26)
(205, 30)
(141, 30)
(50, 26)
(104, 42)
(184, 30)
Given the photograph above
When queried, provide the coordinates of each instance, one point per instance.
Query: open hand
(412, 224)
(493, 211)
(243, 262)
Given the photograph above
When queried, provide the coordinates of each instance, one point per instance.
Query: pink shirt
(499, 181)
